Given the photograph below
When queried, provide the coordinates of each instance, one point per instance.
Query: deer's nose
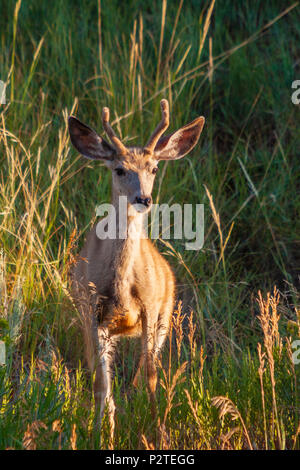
(146, 201)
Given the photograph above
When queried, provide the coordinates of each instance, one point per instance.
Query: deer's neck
(129, 231)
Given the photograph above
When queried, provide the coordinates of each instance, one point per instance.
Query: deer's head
(134, 168)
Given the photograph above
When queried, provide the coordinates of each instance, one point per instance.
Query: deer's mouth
(142, 208)
(142, 204)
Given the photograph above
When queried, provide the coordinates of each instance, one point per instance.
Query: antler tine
(161, 128)
(110, 132)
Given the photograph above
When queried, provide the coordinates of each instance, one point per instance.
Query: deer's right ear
(181, 142)
(88, 142)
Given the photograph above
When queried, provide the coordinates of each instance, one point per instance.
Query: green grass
(239, 76)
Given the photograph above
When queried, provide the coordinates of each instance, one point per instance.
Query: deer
(124, 286)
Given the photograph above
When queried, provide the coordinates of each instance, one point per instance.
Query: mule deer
(124, 286)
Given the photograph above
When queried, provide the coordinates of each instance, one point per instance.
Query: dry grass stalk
(290, 356)
(162, 29)
(169, 53)
(56, 427)
(31, 434)
(261, 371)
(269, 318)
(191, 336)
(177, 319)
(147, 445)
(69, 256)
(194, 410)
(164, 437)
(293, 372)
(56, 367)
(169, 385)
(67, 383)
(226, 406)
(73, 439)
(100, 37)
(295, 437)
(202, 361)
(225, 438)
(217, 221)
(206, 27)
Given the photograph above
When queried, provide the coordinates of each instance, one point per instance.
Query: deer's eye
(155, 170)
(120, 171)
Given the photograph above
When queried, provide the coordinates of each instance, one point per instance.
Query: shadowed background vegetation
(233, 63)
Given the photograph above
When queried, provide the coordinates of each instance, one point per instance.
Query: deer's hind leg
(153, 338)
(148, 346)
(163, 327)
(147, 359)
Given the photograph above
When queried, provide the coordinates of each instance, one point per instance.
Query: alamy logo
(296, 95)
(2, 92)
(296, 353)
(118, 223)
(2, 353)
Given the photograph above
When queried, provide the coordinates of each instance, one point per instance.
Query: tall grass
(227, 376)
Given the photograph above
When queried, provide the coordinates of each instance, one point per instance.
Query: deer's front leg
(102, 383)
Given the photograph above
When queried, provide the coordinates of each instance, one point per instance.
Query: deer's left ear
(88, 142)
(181, 142)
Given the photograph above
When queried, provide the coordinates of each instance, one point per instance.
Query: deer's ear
(181, 142)
(88, 142)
